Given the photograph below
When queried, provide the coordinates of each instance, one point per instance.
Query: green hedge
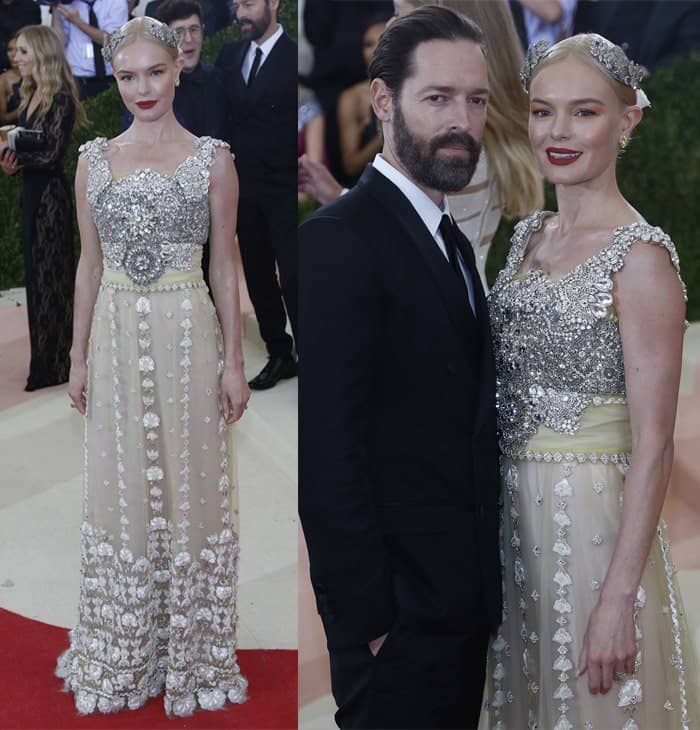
(104, 112)
(659, 173)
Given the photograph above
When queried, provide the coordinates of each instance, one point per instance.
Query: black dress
(14, 99)
(47, 237)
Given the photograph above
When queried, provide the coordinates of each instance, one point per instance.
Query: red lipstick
(562, 156)
(145, 104)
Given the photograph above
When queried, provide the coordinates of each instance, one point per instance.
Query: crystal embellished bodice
(149, 221)
(557, 344)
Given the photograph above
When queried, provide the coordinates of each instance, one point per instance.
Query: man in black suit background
(261, 85)
(399, 479)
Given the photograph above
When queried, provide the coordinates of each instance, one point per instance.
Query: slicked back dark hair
(172, 10)
(394, 58)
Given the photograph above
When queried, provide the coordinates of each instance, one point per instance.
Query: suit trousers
(417, 681)
(267, 234)
(429, 673)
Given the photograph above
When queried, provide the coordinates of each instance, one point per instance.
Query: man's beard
(419, 156)
(258, 27)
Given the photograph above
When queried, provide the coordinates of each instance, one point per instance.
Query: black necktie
(96, 47)
(254, 68)
(450, 237)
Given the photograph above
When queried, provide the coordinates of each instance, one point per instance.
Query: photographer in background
(83, 26)
(15, 14)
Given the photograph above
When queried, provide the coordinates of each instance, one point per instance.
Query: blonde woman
(158, 375)
(587, 319)
(48, 113)
(507, 180)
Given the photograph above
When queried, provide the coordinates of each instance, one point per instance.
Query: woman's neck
(596, 203)
(162, 130)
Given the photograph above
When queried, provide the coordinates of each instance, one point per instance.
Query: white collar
(429, 213)
(267, 46)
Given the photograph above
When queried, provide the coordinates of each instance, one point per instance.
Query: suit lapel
(233, 71)
(451, 291)
(486, 407)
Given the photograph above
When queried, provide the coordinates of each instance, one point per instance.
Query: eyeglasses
(194, 31)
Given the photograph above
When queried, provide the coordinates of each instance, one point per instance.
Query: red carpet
(31, 696)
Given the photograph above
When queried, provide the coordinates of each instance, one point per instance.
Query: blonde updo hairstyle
(142, 28)
(51, 73)
(578, 48)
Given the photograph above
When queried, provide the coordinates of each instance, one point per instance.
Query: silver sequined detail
(610, 56)
(557, 343)
(149, 221)
(630, 693)
(160, 31)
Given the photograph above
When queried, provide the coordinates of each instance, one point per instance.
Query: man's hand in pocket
(376, 644)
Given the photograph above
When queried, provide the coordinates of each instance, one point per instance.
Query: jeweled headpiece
(160, 32)
(611, 57)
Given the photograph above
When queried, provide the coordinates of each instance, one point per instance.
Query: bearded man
(399, 485)
(261, 85)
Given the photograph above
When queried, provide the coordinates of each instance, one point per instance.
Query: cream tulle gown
(159, 539)
(566, 443)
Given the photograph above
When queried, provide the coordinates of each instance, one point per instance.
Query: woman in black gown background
(49, 112)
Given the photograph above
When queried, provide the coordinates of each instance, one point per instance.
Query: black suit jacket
(262, 126)
(398, 449)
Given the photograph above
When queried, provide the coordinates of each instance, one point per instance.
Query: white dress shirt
(266, 47)
(429, 213)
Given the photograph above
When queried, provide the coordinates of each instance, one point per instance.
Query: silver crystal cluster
(535, 53)
(557, 342)
(610, 56)
(160, 32)
(615, 60)
(149, 221)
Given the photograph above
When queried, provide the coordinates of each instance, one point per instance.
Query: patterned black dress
(47, 237)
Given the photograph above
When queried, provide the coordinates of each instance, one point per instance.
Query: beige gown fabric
(566, 440)
(159, 543)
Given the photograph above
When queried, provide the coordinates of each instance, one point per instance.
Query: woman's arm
(314, 138)
(223, 203)
(652, 340)
(87, 284)
(354, 156)
(550, 11)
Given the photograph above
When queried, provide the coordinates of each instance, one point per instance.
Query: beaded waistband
(580, 457)
(170, 280)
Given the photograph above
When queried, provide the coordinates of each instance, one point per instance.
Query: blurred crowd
(335, 124)
(82, 26)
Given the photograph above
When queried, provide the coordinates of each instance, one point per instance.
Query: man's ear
(382, 100)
